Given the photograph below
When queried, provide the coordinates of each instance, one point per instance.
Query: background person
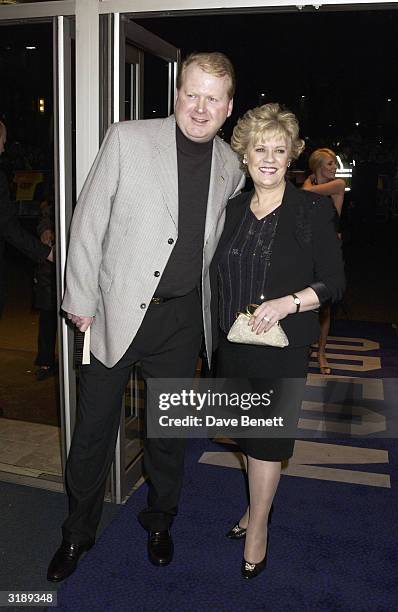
(279, 249)
(143, 234)
(323, 166)
(45, 299)
(12, 231)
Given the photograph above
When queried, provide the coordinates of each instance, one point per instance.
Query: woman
(323, 166)
(279, 249)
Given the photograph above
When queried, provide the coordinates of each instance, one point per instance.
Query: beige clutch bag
(242, 333)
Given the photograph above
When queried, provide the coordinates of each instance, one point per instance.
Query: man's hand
(47, 237)
(82, 323)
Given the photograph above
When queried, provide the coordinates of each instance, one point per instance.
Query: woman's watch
(297, 301)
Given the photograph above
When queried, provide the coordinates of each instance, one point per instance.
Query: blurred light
(303, 97)
(330, 125)
(380, 142)
(341, 172)
(30, 47)
(389, 100)
(41, 105)
(263, 95)
(154, 111)
(357, 123)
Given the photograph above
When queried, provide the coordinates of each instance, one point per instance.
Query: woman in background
(323, 166)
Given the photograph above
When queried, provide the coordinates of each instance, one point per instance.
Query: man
(143, 235)
(10, 228)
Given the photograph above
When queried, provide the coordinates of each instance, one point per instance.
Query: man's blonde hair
(214, 63)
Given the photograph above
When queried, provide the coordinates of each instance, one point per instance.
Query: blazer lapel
(218, 183)
(165, 160)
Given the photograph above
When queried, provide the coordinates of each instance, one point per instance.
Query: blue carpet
(333, 546)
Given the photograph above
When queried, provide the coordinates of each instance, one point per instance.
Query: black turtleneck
(183, 270)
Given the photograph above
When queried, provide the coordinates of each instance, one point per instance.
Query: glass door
(145, 72)
(36, 399)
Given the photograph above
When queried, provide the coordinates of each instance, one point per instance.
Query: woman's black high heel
(236, 533)
(251, 570)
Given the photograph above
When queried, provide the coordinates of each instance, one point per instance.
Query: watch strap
(297, 301)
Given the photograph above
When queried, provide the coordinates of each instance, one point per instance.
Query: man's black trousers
(167, 346)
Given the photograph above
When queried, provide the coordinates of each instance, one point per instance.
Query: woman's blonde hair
(316, 158)
(262, 122)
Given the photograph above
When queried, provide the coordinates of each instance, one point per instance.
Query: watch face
(296, 301)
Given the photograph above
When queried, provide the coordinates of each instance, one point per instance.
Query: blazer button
(143, 306)
(157, 273)
(170, 240)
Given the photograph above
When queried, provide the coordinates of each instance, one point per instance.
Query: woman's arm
(335, 189)
(329, 279)
(277, 309)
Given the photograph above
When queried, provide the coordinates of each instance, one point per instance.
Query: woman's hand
(270, 312)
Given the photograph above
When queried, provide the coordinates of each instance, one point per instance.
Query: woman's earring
(244, 160)
(288, 164)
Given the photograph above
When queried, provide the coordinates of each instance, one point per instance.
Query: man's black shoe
(64, 562)
(160, 547)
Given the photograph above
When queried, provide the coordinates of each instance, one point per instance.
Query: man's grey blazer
(125, 227)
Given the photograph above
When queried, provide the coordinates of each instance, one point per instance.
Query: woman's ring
(266, 319)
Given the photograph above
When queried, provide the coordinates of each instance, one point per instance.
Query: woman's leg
(263, 478)
(324, 321)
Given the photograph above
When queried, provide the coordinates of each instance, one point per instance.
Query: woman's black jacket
(306, 252)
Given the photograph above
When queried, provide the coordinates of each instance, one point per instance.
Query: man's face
(202, 104)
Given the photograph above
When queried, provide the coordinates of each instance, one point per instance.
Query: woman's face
(327, 169)
(267, 161)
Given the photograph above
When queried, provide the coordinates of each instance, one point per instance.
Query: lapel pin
(222, 178)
